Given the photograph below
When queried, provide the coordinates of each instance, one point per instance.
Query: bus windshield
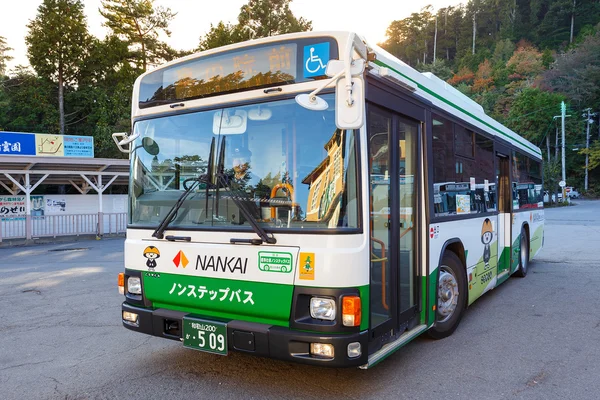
(290, 168)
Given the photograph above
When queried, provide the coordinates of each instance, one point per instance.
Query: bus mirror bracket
(349, 111)
(123, 141)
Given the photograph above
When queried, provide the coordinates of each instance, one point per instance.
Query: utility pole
(588, 119)
(563, 110)
(572, 21)
(435, 39)
(474, 29)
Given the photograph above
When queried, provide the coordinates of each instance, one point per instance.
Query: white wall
(58, 214)
(87, 203)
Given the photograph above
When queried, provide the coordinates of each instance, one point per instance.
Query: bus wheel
(452, 296)
(521, 272)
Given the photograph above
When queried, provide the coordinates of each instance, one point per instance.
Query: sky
(195, 16)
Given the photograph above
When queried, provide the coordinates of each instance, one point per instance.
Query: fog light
(321, 308)
(130, 318)
(354, 350)
(321, 350)
(134, 285)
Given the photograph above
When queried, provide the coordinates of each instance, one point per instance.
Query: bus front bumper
(259, 339)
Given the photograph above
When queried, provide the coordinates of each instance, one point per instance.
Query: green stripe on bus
(266, 303)
(437, 96)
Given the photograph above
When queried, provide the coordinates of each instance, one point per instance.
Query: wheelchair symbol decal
(316, 57)
(314, 63)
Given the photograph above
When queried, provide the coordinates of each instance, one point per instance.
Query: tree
(263, 18)
(4, 57)
(56, 43)
(258, 18)
(552, 176)
(139, 23)
(220, 35)
(531, 114)
(577, 73)
(29, 103)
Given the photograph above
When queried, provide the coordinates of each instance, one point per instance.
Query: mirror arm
(312, 95)
(125, 140)
(353, 44)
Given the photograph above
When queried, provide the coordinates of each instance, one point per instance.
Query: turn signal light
(121, 283)
(351, 312)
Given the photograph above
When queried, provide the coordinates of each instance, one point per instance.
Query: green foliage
(140, 23)
(220, 35)
(577, 73)
(531, 113)
(28, 103)
(552, 176)
(257, 18)
(439, 68)
(594, 155)
(57, 39)
(56, 43)
(4, 57)
(263, 18)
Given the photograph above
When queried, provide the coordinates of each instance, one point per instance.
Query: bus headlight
(134, 285)
(322, 308)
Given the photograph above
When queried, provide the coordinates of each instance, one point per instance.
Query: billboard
(40, 144)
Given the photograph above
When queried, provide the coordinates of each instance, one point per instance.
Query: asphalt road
(534, 338)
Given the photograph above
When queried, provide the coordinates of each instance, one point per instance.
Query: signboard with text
(40, 144)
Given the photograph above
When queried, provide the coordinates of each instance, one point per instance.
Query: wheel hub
(447, 294)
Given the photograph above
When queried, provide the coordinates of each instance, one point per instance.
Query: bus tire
(451, 296)
(521, 272)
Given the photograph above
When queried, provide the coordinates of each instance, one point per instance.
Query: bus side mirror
(349, 106)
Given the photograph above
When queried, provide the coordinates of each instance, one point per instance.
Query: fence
(63, 225)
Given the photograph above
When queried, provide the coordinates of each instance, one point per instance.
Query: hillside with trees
(518, 58)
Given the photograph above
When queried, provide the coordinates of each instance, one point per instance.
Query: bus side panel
(481, 258)
(535, 221)
(536, 232)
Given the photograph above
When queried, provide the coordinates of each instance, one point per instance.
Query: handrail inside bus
(286, 186)
(382, 260)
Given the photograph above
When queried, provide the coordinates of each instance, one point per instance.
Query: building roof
(62, 170)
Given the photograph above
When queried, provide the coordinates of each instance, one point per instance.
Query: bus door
(504, 212)
(392, 148)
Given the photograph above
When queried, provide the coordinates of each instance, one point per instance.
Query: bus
(311, 198)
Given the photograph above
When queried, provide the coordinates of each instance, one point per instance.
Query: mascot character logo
(151, 253)
(487, 234)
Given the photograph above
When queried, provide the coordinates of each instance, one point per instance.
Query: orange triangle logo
(180, 259)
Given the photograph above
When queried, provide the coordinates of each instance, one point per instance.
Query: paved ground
(532, 338)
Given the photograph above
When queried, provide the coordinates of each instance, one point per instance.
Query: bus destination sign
(233, 71)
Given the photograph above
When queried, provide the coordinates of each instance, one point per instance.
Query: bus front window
(291, 167)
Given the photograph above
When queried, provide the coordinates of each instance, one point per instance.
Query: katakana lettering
(201, 291)
(182, 290)
(173, 288)
(213, 294)
(248, 298)
(225, 293)
(192, 291)
(235, 293)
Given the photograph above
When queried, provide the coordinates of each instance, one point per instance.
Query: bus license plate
(209, 336)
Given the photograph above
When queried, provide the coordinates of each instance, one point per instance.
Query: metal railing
(15, 227)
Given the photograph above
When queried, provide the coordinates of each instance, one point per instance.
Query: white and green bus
(311, 198)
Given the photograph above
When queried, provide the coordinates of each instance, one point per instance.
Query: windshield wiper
(159, 232)
(240, 202)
